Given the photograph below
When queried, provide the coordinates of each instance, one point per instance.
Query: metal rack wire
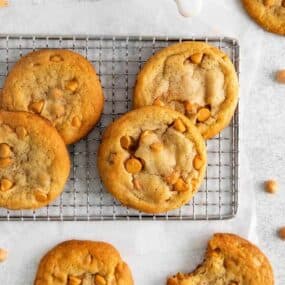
(117, 61)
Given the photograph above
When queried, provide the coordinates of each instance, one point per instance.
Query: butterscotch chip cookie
(61, 86)
(270, 14)
(193, 78)
(83, 263)
(230, 260)
(152, 159)
(34, 162)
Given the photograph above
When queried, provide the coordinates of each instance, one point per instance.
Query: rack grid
(117, 61)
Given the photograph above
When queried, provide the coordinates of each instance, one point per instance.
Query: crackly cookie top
(61, 86)
(230, 260)
(194, 78)
(152, 159)
(270, 14)
(83, 263)
(34, 162)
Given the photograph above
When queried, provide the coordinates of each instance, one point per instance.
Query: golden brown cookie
(193, 78)
(61, 86)
(34, 162)
(152, 159)
(230, 260)
(270, 14)
(77, 262)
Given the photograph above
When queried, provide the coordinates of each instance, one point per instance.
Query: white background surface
(156, 249)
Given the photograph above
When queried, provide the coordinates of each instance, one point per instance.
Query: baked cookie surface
(270, 14)
(61, 86)
(34, 162)
(152, 159)
(83, 263)
(193, 78)
(230, 260)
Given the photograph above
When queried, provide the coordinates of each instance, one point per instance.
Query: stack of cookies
(154, 158)
(49, 99)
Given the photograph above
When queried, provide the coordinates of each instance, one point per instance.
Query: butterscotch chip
(179, 125)
(5, 150)
(271, 186)
(76, 122)
(280, 76)
(160, 161)
(21, 132)
(5, 184)
(38, 160)
(36, 107)
(180, 185)
(207, 79)
(62, 84)
(198, 162)
(158, 102)
(5, 162)
(267, 13)
(231, 260)
(69, 258)
(203, 114)
(156, 147)
(133, 165)
(71, 85)
(196, 58)
(3, 254)
(126, 142)
(72, 280)
(100, 280)
(281, 233)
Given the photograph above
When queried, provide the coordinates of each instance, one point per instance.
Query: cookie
(230, 260)
(34, 162)
(152, 159)
(61, 86)
(77, 262)
(270, 14)
(193, 78)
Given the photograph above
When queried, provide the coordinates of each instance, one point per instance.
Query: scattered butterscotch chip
(197, 162)
(76, 122)
(126, 142)
(180, 185)
(196, 58)
(172, 178)
(271, 186)
(158, 102)
(280, 76)
(5, 162)
(56, 58)
(99, 280)
(5, 150)
(73, 280)
(156, 147)
(71, 85)
(40, 196)
(133, 165)
(36, 107)
(203, 114)
(179, 125)
(21, 132)
(281, 233)
(3, 254)
(5, 184)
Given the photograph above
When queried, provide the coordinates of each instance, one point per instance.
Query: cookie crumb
(271, 186)
(3, 254)
(280, 76)
(281, 233)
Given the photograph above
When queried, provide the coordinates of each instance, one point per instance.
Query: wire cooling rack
(117, 61)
